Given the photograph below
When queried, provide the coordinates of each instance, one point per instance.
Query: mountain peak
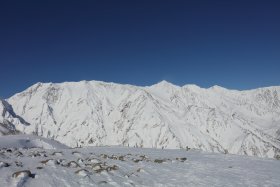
(217, 87)
(164, 83)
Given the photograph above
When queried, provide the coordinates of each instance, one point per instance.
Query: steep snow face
(159, 116)
(8, 119)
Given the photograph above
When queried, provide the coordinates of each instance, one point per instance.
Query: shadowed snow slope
(159, 116)
(8, 119)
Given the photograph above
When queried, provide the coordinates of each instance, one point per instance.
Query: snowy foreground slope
(121, 166)
(163, 115)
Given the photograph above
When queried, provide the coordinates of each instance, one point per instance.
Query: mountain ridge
(162, 115)
(145, 86)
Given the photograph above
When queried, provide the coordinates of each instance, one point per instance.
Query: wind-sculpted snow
(159, 116)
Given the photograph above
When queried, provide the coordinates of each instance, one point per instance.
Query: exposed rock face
(159, 116)
(8, 119)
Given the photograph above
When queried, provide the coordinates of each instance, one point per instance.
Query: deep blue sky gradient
(234, 44)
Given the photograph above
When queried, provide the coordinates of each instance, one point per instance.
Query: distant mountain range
(159, 116)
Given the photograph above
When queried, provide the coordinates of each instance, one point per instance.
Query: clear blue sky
(234, 44)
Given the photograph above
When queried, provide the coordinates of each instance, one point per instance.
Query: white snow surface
(123, 166)
(29, 141)
(94, 113)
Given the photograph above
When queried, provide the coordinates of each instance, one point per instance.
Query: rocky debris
(181, 159)
(93, 160)
(23, 174)
(72, 164)
(18, 154)
(38, 154)
(104, 156)
(112, 168)
(4, 164)
(50, 162)
(160, 161)
(76, 153)
(57, 154)
(102, 183)
(80, 161)
(9, 150)
(61, 161)
(136, 160)
(121, 158)
(39, 167)
(18, 164)
(114, 157)
(96, 166)
(82, 172)
(143, 157)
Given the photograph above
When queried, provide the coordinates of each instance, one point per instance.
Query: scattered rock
(136, 160)
(4, 164)
(112, 168)
(39, 167)
(76, 153)
(23, 174)
(72, 164)
(159, 161)
(38, 154)
(100, 170)
(18, 154)
(80, 160)
(50, 162)
(143, 157)
(102, 182)
(114, 157)
(121, 158)
(96, 167)
(181, 159)
(93, 160)
(18, 164)
(57, 154)
(61, 161)
(9, 150)
(104, 156)
(82, 172)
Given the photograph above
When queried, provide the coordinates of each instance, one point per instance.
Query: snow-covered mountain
(8, 119)
(159, 116)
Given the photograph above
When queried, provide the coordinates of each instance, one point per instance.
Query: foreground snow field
(123, 166)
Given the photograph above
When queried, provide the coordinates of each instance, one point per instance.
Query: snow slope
(115, 166)
(159, 116)
(29, 141)
(8, 119)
